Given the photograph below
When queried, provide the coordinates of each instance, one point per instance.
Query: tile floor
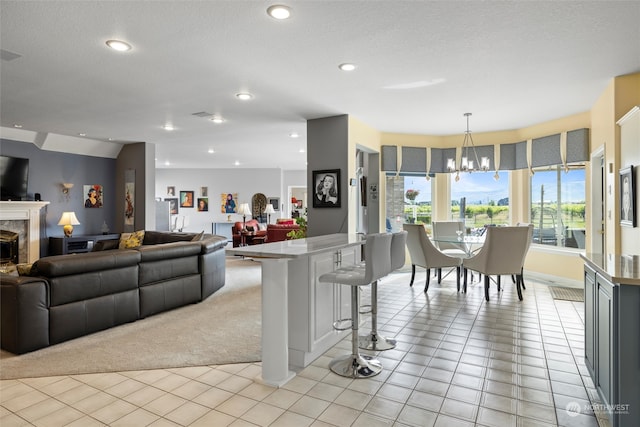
(459, 362)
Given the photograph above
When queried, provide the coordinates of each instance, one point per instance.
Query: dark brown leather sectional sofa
(76, 295)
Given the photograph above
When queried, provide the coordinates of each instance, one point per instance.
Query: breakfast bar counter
(297, 311)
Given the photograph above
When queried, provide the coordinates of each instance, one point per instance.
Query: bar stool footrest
(338, 325)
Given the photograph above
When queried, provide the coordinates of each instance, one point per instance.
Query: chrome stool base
(375, 342)
(356, 366)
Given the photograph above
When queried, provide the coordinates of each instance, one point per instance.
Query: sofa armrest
(24, 313)
(211, 243)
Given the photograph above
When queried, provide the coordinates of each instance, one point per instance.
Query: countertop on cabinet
(617, 268)
(299, 247)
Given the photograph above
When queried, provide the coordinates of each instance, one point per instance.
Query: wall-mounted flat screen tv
(14, 177)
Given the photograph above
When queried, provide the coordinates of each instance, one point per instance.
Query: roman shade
(513, 156)
(577, 146)
(439, 158)
(545, 151)
(414, 161)
(389, 162)
(483, 151)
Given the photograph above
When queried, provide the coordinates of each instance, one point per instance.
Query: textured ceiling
(512, 64)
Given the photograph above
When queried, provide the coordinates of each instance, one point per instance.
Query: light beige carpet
(225, 328)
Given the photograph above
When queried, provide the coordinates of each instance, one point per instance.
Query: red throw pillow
(286, 221)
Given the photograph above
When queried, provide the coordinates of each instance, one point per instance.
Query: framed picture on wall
(173, 205)
(275, 202)
(186, 199)
(627, 197)
(326, 188)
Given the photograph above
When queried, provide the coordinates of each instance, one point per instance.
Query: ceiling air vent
(202, 114)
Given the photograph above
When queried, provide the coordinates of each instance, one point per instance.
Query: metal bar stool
(375, 341)
(377, 264)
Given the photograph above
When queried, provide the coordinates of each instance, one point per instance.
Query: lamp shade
(244, 209)
(269, 209)
(68, 218)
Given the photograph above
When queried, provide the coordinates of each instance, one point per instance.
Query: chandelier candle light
(467, 164)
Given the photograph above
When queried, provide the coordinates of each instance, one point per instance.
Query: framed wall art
(229, 203)
(275, 202)
(173, 205)
(186, 199)
(326, 188)
(627, 197)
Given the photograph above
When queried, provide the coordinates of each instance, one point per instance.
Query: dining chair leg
(413, 273)
(522, 279)
(458, 280)
(518, 284)
(486, 287)
(426, 285)
(498, 282)
(439, 276)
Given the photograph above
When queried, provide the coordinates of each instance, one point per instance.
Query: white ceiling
(512, 64)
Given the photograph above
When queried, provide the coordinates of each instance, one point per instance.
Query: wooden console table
(76, 244)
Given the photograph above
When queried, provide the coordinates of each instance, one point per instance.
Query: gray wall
(327, 148)
(139, 158)
(49, 169)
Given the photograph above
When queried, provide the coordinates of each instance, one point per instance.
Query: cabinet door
(589, 319)
(606, 339)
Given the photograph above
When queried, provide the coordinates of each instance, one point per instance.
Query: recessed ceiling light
(347, 67)
(217, 119)
(210, 151)
(237, 163)
(294, 135)
(244, 96)
(167, 163)
(279, 11)
(17, 126)
(301, 150)
(118, 45)
(168, 126)
(82, 134)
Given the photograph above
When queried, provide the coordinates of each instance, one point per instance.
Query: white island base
(297, 311)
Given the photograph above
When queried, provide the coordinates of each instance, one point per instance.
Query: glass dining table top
(467, 243)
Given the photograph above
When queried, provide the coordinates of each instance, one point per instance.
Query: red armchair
(278, 232)
(237, 228)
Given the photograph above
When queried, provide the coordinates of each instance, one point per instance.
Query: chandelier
(469, 159)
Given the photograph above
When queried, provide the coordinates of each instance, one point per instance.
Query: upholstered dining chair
(377, 264)
(503, 252)
(424, 254)
(374, 341)
(530, 225)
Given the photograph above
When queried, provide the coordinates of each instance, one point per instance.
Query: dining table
(469, 244)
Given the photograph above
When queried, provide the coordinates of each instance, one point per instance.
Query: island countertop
(620, 269)
(299, 247)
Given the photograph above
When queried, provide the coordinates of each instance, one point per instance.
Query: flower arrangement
(412, 194)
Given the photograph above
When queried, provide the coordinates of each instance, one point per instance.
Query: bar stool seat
(377, 264)
(373, 340)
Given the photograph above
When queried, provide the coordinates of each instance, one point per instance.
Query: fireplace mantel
(30, 212)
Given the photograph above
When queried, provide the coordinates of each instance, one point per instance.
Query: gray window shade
(439, 158)
(577, 145)
(414, 161)
(546, 151)
(513, 156)
(389, 161)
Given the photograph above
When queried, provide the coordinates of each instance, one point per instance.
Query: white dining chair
(424, 254)
(503, 252)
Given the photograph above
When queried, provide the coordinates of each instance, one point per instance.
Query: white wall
(245, 182)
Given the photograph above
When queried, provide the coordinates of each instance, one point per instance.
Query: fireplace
(22, 218)
(9, 247)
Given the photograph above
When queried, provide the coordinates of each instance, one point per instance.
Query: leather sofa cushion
(158, 237)
(169, 251)
(65, 265)
(88, 285)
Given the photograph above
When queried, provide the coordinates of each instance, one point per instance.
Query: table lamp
(269, 210)
(68, 220)
(244, 211)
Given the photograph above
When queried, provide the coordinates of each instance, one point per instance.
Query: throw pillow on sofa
(105, 245)
(131, 240)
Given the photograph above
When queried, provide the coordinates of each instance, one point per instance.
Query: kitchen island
(298, 312)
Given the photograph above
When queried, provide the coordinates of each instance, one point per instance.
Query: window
(558, 205)
(486, 199)
(408, 200)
